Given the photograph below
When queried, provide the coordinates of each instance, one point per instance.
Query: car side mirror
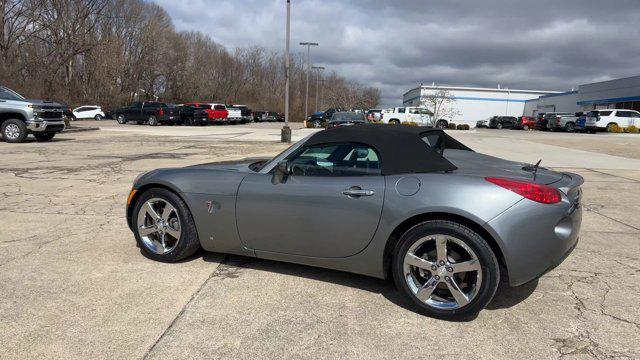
(281, 171)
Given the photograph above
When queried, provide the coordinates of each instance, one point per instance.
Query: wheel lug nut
(433, 267)
(441, 262)
(450, 269)
(446, 278)
(437, 277)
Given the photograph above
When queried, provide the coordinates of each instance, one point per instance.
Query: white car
(399, 115)
(88, 112)
(603, 119)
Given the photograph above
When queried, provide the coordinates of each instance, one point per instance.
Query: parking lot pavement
(74, 285)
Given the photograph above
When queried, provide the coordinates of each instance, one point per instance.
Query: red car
(216, 113)
(525, 123)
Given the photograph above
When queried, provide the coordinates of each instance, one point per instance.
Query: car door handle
(357, 192)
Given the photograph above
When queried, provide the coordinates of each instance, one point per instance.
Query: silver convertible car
(446, 223)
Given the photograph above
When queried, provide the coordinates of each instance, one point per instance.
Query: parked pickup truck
(235, 114)
(20, 117)
(418, 115)
(561, 121)
(151, 112)
(245, 113)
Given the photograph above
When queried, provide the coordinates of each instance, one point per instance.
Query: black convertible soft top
(401, 148)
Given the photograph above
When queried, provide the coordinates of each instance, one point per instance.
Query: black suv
(501, 122)
(153, 113)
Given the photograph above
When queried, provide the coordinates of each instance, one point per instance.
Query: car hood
(42, 102)
(473, 163)
(241, 165)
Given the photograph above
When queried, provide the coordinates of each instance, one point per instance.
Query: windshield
(8, 94)
(347, 116)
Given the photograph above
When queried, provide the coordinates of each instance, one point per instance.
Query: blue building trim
(472, 98)
(607, 101)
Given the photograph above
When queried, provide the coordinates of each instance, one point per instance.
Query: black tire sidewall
(21, 125)
(153, 121)
(121, 119)
(188, 243)
(488, 261)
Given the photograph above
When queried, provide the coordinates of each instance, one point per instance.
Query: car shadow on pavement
(505, 297)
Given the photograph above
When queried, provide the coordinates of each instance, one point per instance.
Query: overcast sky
(396, 45)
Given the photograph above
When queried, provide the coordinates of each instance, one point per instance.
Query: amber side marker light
(537, 192)
(131, 194)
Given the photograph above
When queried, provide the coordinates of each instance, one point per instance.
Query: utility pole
(319, 68)
(285, 134)
(306, 96)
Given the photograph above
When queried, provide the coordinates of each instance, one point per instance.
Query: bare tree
(441, 103)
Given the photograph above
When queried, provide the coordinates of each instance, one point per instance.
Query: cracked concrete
(74, 285)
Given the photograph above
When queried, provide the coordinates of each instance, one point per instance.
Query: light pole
(285, 134)
(319, 68)
(306, 96)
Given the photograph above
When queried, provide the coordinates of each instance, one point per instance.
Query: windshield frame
(18, 97)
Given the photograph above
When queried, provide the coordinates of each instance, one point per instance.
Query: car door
(329, 206)
(134, 112)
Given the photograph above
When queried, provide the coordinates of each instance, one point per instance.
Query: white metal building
(473, 104)
(612, 94)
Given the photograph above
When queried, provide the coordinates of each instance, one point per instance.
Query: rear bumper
(45, 126)
(532, 248)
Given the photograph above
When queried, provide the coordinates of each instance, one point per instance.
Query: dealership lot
(74, 285)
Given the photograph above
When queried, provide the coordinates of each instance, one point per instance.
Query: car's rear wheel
(98, 117)
(14, 131)
(164, 227)
(394, 121)
(446, 269)
(442, 124)
(499, 126)
(570, 127)
(317, 124)
(153, 121)
(121, 119)
(525, 127)
(610, 126)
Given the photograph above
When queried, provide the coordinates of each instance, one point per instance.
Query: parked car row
(193, 113)
(592, 121)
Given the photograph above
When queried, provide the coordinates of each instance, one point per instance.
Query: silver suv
(20, 117)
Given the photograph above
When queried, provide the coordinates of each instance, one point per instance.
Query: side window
(414, 111)
(401, 110)
(136, 105)
(336, 160)
(81, 109)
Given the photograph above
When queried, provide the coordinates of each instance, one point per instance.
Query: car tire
(44, 136)
(153, 121)
(177, 248)
(570, 127)
(14, 131)
(609, 126)
(499, 126)
(525, 127)
(463, 246)
(317, 124)
(394, 122)
(442, 124)
(121, 119)
(98, 117)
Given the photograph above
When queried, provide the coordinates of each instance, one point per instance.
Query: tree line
(112, 52)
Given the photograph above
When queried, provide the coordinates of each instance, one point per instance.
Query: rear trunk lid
(476, 164)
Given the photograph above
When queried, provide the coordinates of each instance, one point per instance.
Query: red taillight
(160, 112)
(536, 192)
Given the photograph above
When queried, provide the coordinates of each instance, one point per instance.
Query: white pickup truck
(399, 115)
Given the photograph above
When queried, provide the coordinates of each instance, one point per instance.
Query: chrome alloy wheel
(442, 271)
(159, 226)
(12, 131)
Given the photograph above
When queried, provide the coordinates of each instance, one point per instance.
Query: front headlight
(34, 107)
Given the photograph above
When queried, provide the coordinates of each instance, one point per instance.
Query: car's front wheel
(121, 119)
(164, 227)
(98, 117)
(14, 131)
(446, 269)
(317, 124)
(153, 121)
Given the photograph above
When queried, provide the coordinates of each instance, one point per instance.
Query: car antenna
(535, 169)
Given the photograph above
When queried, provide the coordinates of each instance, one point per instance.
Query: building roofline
(505, 90)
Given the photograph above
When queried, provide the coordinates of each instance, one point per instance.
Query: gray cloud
(395, 45)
